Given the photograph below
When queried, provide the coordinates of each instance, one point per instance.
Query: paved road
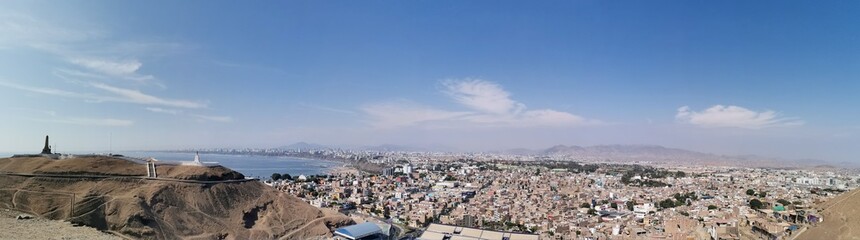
(798, 233)
(122, 177)
(303, 227)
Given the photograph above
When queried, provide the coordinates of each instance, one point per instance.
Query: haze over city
(729, 77)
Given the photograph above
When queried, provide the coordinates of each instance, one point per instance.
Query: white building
(447, 184)
(197, 162)
(641, 210)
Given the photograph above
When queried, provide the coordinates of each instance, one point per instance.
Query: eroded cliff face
(155, 209)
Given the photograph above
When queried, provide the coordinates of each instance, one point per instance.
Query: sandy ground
(102, 165)
(841, 219)
(343, 171)
(11, 228)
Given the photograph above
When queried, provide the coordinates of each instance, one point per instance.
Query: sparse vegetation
(756, 204)
(571, 166)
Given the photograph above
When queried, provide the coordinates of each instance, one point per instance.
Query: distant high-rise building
(468, 221)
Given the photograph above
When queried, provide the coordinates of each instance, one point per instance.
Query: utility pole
(72, 207)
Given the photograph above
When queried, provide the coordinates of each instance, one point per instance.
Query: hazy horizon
(776, 79)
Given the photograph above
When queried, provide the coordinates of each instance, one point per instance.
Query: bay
(250, 165)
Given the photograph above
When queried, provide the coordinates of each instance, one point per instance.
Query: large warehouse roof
(358, 231)
(440, 232)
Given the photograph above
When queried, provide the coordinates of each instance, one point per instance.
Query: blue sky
(730, 77)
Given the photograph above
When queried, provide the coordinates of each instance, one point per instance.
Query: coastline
(251, 155)
(341, 170)
(250, 165)
(362, 167)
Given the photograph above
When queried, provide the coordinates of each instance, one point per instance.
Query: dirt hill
(841, 219)
(159, 209)
(103, 165)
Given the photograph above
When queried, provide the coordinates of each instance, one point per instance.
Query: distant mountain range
(394, 148)
(303, 146)
(618, 153)
(380, 148)
(631, 151)
(660, 154)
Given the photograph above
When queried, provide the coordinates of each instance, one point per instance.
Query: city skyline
(709, 77)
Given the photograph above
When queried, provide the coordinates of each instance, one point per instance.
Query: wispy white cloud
(52, 91)
(108, 122)
(135, 96)
(93, 52)
(50, 116)
(68, 74)
(97, 60)
(22, 29)
(109, 67)
(36, 110)
(325, 108)
(125, 69)
(549, 117)
(198, 117)
(482, 96)
(734, 116)
(495, 107)
(223, 119)
(120, 95)
(404, 113)
(150, 49)
(252, 67)
(490, 106)
(162, 110)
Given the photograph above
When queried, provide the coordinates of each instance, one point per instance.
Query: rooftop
(445, 232)
(358, 231)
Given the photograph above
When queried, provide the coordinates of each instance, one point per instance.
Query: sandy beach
(343, 171)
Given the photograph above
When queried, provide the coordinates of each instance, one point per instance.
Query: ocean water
(249, 165)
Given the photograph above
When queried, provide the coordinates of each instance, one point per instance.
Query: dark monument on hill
(46, 152)
(47, 148)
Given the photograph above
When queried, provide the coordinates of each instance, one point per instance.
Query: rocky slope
(841, 219)
(158, 209)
